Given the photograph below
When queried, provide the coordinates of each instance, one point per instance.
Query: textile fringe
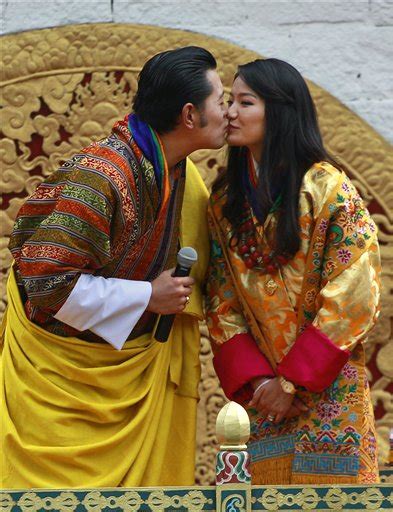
(272, 471)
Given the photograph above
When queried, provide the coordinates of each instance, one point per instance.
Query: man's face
(213, 121)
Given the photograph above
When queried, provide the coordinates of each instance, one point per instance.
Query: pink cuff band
(314, 361)
(237, 362)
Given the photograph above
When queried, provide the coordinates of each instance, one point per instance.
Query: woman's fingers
(299, 404)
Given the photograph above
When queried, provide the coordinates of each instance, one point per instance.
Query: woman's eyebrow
(245, 94)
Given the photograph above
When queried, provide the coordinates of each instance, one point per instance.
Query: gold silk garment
(332, 283)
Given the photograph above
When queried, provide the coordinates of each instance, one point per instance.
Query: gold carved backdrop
(63, 87)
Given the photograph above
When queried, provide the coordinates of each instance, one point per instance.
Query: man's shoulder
(108, 160)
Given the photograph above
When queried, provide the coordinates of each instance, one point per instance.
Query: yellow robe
(81, 414)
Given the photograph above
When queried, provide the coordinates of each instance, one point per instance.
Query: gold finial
(232, 427)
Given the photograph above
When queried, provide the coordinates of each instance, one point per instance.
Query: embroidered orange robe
(309, 323)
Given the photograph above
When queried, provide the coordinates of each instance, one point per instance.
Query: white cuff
(109, 307)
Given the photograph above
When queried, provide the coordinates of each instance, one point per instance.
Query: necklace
(248, 248)
(245, 237)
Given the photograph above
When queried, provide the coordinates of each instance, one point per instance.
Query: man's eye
(230, 102)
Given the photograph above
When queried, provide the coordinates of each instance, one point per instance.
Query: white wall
(344, 46)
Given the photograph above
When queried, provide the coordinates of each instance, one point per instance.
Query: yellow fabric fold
(79, 414)
(194, 233)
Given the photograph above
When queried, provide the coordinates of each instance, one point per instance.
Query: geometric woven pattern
(202, 499)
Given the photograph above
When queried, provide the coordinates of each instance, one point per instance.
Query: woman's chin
(233, 140)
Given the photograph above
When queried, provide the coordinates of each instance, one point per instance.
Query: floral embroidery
(350, 371)
(362, 229)
(323, 225)
(329, 267)
(345, 187)
(352, 399)
(327, 411)
(344, 255)
(310, 296)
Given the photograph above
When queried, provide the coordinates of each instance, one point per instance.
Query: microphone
(186, 257)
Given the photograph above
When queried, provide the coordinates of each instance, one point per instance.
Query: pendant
(270, 286)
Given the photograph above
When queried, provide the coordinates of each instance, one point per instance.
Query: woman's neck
(256, 152)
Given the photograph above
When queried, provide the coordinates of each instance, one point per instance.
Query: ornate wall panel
(65, 86)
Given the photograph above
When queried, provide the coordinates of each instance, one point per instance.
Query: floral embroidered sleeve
(346, 306)
(237, 359)
(349, 303)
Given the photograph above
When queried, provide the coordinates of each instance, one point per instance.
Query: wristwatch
(286, 385)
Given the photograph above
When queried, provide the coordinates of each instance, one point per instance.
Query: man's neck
(176, 147)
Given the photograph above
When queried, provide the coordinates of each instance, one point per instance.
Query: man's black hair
(168, 81)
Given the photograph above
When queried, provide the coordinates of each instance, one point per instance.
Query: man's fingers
(184, 281)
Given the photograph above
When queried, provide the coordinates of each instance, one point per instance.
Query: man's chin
(217, 145)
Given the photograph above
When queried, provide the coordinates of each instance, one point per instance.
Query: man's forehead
(215, 80)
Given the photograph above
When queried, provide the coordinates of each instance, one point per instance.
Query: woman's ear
(189, 116)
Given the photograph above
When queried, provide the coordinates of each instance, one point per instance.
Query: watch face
(288, 387)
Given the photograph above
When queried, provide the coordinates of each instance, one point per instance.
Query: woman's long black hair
(292, 144)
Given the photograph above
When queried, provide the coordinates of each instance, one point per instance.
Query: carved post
(233, 479)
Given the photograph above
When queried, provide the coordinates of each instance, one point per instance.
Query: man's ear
(189, 116)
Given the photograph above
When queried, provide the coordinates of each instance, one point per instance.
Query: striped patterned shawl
(100, 213)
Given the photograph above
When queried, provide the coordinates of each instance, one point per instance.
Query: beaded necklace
(245, 240)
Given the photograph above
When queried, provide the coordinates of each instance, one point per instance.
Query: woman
(293, 288)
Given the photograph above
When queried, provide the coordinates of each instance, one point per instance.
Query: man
(94, 248)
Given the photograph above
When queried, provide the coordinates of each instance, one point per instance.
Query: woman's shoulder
(322, 174)
(320, 182)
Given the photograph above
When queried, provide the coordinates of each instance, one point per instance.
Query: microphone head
(187, 256)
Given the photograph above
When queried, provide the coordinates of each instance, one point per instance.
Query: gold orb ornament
(233, 427)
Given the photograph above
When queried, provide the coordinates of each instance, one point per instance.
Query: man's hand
(169, 294)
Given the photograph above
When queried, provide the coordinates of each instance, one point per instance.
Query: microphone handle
(165, 322)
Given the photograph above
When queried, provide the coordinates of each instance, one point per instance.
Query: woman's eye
(247, 103)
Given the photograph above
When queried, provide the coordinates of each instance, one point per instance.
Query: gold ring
(270, 417)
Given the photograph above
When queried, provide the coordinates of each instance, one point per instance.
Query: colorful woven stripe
(103, 212)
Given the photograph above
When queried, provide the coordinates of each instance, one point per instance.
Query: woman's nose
(232, 111)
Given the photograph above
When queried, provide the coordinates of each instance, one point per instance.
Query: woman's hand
(269, 399)
(296, 408)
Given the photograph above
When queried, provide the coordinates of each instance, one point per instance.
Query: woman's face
(246, 116)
